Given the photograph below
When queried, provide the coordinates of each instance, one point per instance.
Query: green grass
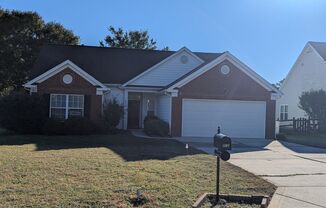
(314, 140)
(106, 171)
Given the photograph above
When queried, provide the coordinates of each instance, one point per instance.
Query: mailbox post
(217, 197)
(223, 144)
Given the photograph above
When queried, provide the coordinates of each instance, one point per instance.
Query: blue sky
(266, 35)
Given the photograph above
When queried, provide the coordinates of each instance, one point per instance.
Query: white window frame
(285, 112)
(66, 108)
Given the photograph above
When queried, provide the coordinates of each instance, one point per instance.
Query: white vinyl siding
(238, 119)
(164, 108)
(168, 71)
(148, 105)
(307, 74)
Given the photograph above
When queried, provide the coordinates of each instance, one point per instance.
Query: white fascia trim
(275, 96)
(172, 93)
(31, 88)
(162, 62)
(227, 56)
(301, 55)
(101, 91)
(28, 85)
(55, 70)
(140, 89)
(112, 85)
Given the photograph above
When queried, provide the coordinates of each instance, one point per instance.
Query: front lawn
(106, 171)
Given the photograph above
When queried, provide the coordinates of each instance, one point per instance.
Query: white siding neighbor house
(308, 73)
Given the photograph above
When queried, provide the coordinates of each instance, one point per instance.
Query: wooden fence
(300, 125)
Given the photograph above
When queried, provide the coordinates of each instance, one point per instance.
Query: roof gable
(236, 62)
(310, 47)
(235, 85)
(66, 64)
(168, 70)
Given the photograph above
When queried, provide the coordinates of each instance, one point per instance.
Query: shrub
(23, 113)
(156, 127)
(148, 118)
(71, 126)
(112, 113)
(314, 104)
(102, 127)
(54, 127)
(79, 126)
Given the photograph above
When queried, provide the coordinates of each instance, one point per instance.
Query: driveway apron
(298, 171)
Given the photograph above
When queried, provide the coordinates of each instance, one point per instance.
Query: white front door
(238, 119)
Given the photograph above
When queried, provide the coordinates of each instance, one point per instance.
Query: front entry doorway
(133, 114)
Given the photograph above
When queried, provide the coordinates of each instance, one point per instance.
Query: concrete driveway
(298, 171)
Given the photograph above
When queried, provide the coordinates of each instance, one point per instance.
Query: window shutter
(46, 98)
(87, 106)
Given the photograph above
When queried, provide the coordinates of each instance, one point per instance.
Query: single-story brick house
(193, 91)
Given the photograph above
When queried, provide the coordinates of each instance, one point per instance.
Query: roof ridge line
(136, 49)
(102, 47)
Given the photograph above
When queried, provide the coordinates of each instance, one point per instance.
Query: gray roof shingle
(320, 48)
(107, 65)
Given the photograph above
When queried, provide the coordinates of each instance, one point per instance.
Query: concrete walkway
(298, 171)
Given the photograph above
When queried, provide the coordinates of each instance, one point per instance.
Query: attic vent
(184, 59)
(225, 69)
(67, 79)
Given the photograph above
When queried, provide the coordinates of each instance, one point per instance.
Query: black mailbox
(222, 142)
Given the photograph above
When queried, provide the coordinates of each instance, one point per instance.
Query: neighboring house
(308, 73)
(194, 92)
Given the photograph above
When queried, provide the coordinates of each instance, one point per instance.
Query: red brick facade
(79, 85)
(214, 85)
(211, 85)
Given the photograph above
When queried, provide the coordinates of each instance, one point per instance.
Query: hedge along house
(192, 91)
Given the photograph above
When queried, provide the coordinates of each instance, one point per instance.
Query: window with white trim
(64, 106)
(284, 112)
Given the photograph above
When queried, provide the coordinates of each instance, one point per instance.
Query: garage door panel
(236, 118)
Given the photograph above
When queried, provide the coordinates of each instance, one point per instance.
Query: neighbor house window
(63, 106)
(284, 113)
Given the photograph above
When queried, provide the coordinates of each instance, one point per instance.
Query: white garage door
(241, 119)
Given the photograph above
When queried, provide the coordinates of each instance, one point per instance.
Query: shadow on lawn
(303, 147)
(255, 145)
(129, 147)
(242, 145)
